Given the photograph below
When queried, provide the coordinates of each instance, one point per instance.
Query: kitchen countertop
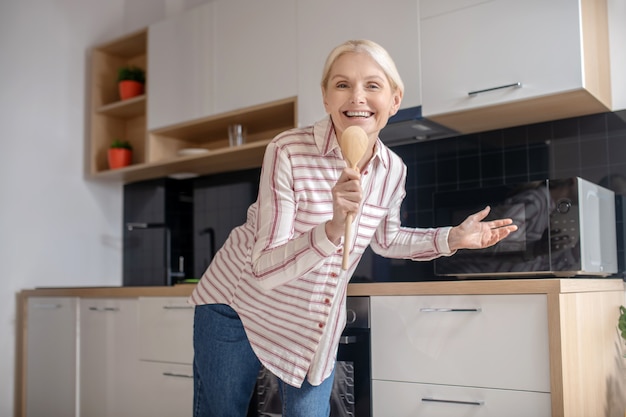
(499, 286)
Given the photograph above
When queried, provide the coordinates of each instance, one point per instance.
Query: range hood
(408, 126)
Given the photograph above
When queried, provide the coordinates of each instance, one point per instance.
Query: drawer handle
(438, 400)
(477, 92)
(104, 309)
(347, 340)
(177, 375)
(450, 310)
(177, 307)
(48, 306)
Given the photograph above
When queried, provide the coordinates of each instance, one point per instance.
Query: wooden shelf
(221, 160)
(257, 119)
(133, 107)
(160, 154)
(110, 117)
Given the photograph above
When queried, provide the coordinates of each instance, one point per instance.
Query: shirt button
(327, 301)
(320, 325)
(333, 274)
(366, 172)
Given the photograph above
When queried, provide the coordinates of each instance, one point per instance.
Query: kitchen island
(587, 371)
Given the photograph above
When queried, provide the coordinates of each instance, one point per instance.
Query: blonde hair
(375, 51)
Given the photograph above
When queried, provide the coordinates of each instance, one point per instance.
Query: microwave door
(523, 251)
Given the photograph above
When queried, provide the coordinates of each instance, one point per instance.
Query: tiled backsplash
(592, 147)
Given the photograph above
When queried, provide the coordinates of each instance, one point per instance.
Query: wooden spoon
(353, 145)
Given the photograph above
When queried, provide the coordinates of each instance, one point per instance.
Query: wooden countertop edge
(508, 286)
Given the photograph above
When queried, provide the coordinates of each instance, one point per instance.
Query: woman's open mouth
(364, 114)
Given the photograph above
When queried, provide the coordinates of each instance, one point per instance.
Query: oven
(352, 387)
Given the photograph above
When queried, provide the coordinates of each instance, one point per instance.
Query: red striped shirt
(280, 272)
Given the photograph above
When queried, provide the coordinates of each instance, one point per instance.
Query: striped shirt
(280, 272)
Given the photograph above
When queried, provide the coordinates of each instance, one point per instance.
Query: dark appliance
(352, 392)
(158, 222)
(566, 228)
(409, 126)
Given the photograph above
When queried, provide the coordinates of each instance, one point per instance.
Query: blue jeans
(225, 370)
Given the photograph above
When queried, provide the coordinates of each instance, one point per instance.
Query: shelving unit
(112, 118)
(156, 153)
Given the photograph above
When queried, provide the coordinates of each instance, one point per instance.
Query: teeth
(358, 113)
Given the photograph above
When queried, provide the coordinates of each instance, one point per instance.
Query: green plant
(123, 144)
(131, 73)
(621, 324)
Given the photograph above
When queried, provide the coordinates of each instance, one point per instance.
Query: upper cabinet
(219, 57)
(255, 52)
(180, 58)
(494, 64)
(324, 24)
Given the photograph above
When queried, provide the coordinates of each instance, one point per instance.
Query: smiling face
(358, 93)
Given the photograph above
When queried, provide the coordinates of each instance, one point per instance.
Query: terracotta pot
(119, 157)
(129, 89)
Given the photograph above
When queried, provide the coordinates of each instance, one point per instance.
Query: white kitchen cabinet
(166, 389)
(51, 356)
(255, 52)
(484, 342)
(474, 54)
(165, 356)
(324, 24)
(166, 329)
(181, 67)
(108, 357)
(401, 399)
(219, 57)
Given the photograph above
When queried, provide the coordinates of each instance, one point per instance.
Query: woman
(275, 293)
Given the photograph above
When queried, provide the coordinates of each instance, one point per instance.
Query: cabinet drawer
(166, 329)
(166, 389)
(403, 399)
(492, 341)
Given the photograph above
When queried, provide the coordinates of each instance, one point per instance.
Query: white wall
(56, 227)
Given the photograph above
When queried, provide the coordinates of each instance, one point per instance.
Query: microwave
(566, 228)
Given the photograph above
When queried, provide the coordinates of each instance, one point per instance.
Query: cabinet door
(166, 329)
(108, 357)
(51, 357)
(494, 44)
(180, 62)
(324, 24)
(166, 389)
(401, 399)
(255, 52)
(495, 341)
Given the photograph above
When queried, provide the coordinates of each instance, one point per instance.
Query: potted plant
(120, 154)
(131, 80)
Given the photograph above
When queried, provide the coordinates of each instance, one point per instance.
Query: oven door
(351, 395)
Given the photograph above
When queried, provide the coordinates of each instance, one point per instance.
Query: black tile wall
(198, 213)
(220, 204)
(592, 147)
